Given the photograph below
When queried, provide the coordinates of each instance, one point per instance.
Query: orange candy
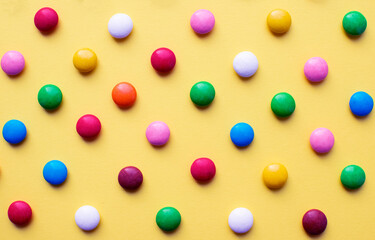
(124, 95)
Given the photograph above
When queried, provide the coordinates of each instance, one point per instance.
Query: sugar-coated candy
(130, 178)
(361, 104)
(87, 218)
(353, 177)
(19, 213)
(88, 126)
(240, 220)
(55, 172)
(85, 60)
(168, 219)
(275, 175)
(12, 63)
(202, 94)
(203, 169)
(163, 60)
(46, 19)
(50, 97)
(124, 95)
(120, 25)
(354, 23)
(279, 21)
(245, 64)
(14, 131)
(157, 133)
(316, 69)
(283, 104)
(202, 21)
(314, 222)
(322, 140)
(242, 134)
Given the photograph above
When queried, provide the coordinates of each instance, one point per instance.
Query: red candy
(163, 60)
(130, 178)
(19, 213)
(88, 126)
(46, 19)
(314, 222)
(203, 169)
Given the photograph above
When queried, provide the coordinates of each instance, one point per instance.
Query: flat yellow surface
(93, 166)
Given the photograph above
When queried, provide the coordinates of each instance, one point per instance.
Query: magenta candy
(157, 133)
(202, 21)
(316, 69)
(314, 222)
(12, 63)
(88, 126)
(322, 140)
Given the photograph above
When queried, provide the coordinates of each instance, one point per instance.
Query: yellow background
(93, 166)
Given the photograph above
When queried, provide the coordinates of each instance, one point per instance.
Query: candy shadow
(165, 74)
(360, 118)
(48, 33)
(353, 37)
(203, 36)
(173, 232)
(94, 230)
(16, 145)
(91, 139)
(61, 184)
(283, 119)
(53, 111)
(121, 40)
(242, 235)
(23, 226)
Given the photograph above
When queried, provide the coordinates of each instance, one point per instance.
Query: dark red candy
(19, 213)
(203, 169)
(314, 222)
(130, 178)
(163, 60)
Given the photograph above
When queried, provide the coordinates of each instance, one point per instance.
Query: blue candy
(242, 134)
(14, 131)
(361, 104)
(55, 172)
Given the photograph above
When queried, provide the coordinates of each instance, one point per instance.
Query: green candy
(202, 94)
(353, 177)
(283, 104)
(50, 97)
(354, 23)
(168, 219)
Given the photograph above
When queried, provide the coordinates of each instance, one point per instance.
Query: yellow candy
(85, 60)
(279, 21)
(275, 175)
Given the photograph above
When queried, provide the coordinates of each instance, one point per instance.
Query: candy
(353, 177)
(55, 172)
(120, 25)
(130, 178)
(203, 169)
(88, 126)
(85, 60)
(279, 21)
(46, 19)
(361, 104)
(50, 97)
(316, 69)
(19, 213)
(12, 63)
(354, 23)
(124, 95)
(202, 94)
(157, 133)
(275, 175)
(322, 140)
(314, 222)
(87, 218)
(245, 64)
(168, 219)
(14, 131)
(163, 60)
(240, 220)
(283, 104)
(242, 134)
(202, 21)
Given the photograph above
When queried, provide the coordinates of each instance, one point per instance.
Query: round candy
(55, 172)
(87, 218)
(12, 63)
(130, 178)
(283, 104)
(50, 97)
(88, 126)
(202, 94)
(242, 134)
(361, 104)
(168, 219)
(163, 60)
(314, 222)
(19, 213)
(240, 220)
(245, 64)
(353, 177)
(202, 21)
(275, 175)
(124, 95)
(279, 21)
(120, 25)
(46, 19)
(85, 60)
(322, 140)
(157, 133)
(14, 131)
(203, 169)
(354, 23)
(316, 69)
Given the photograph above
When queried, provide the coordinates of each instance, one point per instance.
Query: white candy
(87, 218)
(240, 220)
(245, 64)
(120, 25)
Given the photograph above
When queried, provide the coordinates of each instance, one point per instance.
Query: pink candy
(157, 133)
(88, 126)
(322, 140)
(202, 21)
(316, 69)
(12, 63)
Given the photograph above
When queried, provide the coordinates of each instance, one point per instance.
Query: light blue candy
(55, 172)
(14, 131)
(242, 134)
(361, 104)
